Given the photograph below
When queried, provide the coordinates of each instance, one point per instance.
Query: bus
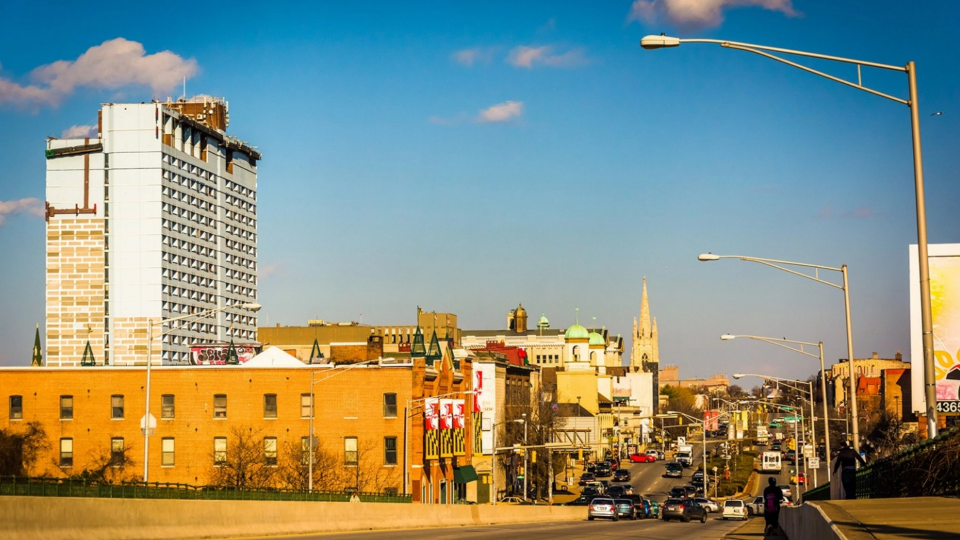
(770, 462)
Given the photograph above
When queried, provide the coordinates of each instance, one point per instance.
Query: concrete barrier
(808, 522)
(42, 518)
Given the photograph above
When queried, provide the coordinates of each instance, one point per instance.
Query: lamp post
(146, 408)
(823, 382)
(525, 471)
(930, 389)
(703, 428)
(493, 455)
(782, 265)
(813, 428)
(313, 408)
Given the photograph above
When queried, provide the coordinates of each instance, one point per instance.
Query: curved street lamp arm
(782, 343)
(778, 265)
(858, 86)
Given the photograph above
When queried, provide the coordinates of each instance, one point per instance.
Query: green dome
(543, 320)
(576, 332)
(596, 339)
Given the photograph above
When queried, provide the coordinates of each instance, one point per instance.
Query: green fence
(60, 487)
(925, 469)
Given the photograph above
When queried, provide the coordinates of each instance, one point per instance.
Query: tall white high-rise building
(155, 217)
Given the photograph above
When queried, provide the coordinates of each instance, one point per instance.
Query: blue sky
(469, 157)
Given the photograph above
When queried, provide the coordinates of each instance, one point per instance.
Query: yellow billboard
(944, 262)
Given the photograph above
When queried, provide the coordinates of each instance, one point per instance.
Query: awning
(465, 474)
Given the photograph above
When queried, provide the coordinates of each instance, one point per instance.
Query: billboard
(711, 420)
(944, 260)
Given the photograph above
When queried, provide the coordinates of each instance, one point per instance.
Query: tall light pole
(813, 424)
(311, 439)
(703, 428)
(929, 379)
(146, 408)
(782, 265)
(823, 382)
(525, 451)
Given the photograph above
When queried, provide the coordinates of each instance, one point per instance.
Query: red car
(642, 458)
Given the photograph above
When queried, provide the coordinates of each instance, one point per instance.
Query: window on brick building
(66, 407)
(269, 405)
(389, 405)
(116, 451)
(306, 402)
(16, 407)
(350, 451)
(167, 447)
(219, 451)
(167, 407)
(220, 406)
(66, 452)
(389, 450)
(116, 407)
(270, 451)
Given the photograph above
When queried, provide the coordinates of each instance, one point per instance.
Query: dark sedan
(622, 475)
(586, 477)
(683, 509)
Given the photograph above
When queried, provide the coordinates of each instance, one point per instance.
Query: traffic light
(533, 456)
(580, 454)
(680, 420)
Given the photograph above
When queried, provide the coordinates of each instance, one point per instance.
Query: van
(770, 462)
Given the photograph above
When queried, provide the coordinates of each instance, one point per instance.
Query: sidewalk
(927, 518)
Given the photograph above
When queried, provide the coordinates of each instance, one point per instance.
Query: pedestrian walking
(846, 464)
(772, 499)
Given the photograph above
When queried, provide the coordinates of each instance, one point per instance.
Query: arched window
(576, 353)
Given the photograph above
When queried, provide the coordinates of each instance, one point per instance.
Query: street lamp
(823, 380)
(781, 265)
(525, 451)
(254, 307)
(930, 388)
(311, 439)
(813, 428)
(703, 428)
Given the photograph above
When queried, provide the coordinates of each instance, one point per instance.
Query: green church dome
(596, 339)
(576, 332)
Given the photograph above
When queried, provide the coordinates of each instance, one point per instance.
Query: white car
(755, 507)
(734, 509)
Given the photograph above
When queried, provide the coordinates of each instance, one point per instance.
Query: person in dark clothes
(846, 464)
(772, 499)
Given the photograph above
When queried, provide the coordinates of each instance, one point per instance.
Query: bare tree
(294, 469)
(20, 449)
(108, 465)
(244, 465)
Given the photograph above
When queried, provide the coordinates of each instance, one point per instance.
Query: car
(798, 478)
(625, 508)
(697, 480)
(683, 509)
(582, 500)
(603, 470)
(615, 492)
(604, 508)
(586, 477)
(614, 464)
(627, 488)
(654, 508)
(734, 509)
(674, 470)
(591, 491)
(642, 458)
(777, 448)
(755, 507)
(644, 509)
(655, 453)
(787, 490)
(621, 475)
(710, 504)
(677, 492)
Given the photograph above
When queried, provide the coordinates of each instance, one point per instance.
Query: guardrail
(65, 487)
(927, 469)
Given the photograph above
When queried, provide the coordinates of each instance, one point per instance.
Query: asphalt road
(649, 529)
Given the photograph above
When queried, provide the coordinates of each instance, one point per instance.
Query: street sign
(152, 426)
(681, 441)
(813, 463)
(808, 451)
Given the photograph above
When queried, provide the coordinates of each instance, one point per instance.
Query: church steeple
(644, 311)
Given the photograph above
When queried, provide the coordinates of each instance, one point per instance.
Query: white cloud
(111, 65)
(501, 112)
(265, 272)
(527, 57)
(692, 14)
(31, 206)
(79, 132)
(469, 57)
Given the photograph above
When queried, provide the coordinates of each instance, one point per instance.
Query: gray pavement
(928, 518)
